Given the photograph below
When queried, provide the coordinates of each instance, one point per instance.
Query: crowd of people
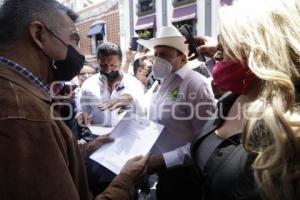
(231, 131)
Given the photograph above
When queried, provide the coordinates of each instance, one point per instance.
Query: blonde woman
(265, 36)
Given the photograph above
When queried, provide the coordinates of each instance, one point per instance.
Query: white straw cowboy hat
(168, 36)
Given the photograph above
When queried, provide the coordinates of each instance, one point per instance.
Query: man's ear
(38, 33)
(140, 69)
(184, 59)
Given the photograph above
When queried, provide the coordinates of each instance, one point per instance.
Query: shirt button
(219, 153)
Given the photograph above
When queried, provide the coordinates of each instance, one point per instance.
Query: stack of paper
(133, 136)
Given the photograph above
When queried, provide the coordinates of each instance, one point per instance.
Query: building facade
(98, 22)
(120, 20)
(143, 18)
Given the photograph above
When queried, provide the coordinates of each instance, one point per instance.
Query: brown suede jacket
(39, 157)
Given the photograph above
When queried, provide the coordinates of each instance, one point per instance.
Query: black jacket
(227, 173)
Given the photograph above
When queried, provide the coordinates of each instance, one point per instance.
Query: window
(97, 34)
(191, 25)
(96, 41)
(145, 7)
(186, 15)
(177, 3)
(144, 34)
(99, 39)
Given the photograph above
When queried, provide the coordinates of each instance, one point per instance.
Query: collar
(120, 85)
(223, 107)
(15, 77)
(183, 71)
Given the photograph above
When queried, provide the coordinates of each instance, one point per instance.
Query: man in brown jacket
(39, 157)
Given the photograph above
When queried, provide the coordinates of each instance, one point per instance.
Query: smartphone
(133, 43)
(184, 30)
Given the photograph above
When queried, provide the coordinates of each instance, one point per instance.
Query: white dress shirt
(95, 91)
(174, 105)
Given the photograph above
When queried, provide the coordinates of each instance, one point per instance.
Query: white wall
(124, 24)
(215, 18)
(170, 12)
(158, 6)
(200, 17)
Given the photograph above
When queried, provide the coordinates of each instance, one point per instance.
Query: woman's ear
(38, 33)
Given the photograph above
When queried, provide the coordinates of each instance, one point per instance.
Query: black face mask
(70, 67)
(67, 69)
(111, 76)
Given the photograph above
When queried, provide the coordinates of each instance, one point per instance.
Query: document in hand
(102, 130)
(133, 136)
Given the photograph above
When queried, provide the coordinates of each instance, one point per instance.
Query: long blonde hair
(266, 34)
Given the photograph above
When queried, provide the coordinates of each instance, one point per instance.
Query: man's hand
(206, 46)
(84, 119)
(123, 102)
(95, 144)
(130, 54)
(129, 58)
(156, 164)
(136, 168)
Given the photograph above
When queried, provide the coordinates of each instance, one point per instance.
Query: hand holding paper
(133, 136)
(96, 143)
(136, 168)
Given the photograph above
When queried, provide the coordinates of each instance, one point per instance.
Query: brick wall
(113, 27)
(111, 17)
(85, 42)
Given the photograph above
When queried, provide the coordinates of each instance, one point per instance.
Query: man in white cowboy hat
(182, 103)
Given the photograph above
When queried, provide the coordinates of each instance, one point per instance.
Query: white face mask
(161, 68)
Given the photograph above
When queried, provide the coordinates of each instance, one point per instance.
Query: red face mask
(232, 75)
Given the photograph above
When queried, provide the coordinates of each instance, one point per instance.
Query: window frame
(143, 13)
(177, 3)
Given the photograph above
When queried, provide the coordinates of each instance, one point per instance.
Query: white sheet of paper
(100, 130)
(133, 136)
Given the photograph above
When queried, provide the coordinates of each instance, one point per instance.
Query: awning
(96, 28)
(184, 13)
(145, 23)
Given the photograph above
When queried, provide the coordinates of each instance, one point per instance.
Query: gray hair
(16, 15)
